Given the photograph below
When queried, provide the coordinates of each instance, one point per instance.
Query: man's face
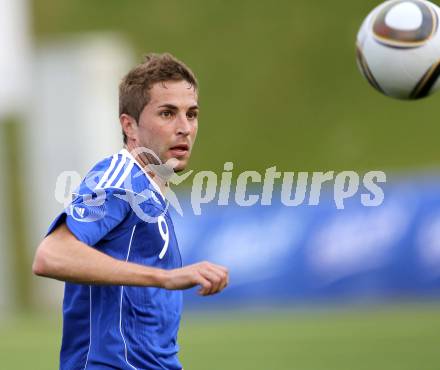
(168, 123)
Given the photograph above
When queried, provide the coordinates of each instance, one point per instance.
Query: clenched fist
(210, 277)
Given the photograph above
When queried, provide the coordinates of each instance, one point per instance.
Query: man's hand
(211, 278)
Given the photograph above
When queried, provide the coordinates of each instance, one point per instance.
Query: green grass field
(382, 339)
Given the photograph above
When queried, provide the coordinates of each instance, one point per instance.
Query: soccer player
(115, 244)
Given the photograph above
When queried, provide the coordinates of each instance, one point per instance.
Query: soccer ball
(398, 48)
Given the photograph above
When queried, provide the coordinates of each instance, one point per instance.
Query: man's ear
(129, 126)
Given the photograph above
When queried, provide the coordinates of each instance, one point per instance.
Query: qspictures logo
(297, 188)
(244, 189)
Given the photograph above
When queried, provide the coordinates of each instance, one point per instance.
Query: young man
(115, 244)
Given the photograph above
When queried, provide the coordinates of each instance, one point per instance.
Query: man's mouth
(179, 150)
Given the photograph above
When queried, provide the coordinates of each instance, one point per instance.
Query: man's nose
(183, 125)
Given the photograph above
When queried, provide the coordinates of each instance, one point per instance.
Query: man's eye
(192, 115)
(166, 113)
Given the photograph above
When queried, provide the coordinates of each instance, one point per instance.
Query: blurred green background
(279, 82)
(278, 86)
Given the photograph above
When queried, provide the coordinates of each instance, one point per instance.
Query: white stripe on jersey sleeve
(108, 171)
(125, 174)
(116, 173)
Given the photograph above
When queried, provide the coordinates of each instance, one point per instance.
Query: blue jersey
(120, 211)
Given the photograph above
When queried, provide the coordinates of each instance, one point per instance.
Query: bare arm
(61, 256)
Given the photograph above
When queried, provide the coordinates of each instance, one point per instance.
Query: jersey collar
(156, 187)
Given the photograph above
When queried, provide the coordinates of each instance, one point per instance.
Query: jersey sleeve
(93, 214)
(113, 190)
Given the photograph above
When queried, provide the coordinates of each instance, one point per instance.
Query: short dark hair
(134, 89)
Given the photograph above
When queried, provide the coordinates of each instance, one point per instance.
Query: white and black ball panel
(396, 70)
(436, 84)
(365, 69)
(405, 23)
(409, 72)
(428, 83)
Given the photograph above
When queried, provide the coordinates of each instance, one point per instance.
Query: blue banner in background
(279, 254)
